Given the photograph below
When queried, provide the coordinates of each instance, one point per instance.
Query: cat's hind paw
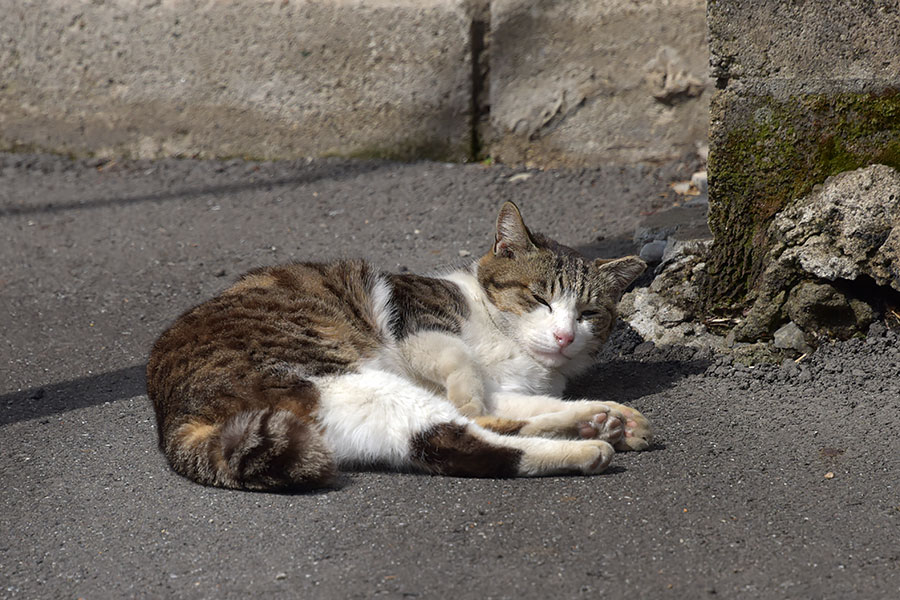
(602, 455)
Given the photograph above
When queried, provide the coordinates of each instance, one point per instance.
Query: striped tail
(264, 449)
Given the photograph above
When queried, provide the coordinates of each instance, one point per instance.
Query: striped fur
(297, 371)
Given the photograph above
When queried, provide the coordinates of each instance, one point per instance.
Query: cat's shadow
(626, 379)
(354, 477)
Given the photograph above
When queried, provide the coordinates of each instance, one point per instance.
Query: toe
(636, 437)
(631, 443)
(609, 429)
(605, 454)
(637, 432)
(587, 430)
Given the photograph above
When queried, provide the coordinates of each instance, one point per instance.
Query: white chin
(550, 359)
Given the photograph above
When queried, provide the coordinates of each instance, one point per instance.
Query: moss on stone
(411, 150)
(766, 152)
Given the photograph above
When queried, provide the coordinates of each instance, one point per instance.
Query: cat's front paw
(465, 391)
(471, 410)
(602, 426)
(637, 432)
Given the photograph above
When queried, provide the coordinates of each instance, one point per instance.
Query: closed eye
(588, 314)
(540, 300)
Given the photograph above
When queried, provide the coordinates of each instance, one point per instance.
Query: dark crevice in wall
(479, 30)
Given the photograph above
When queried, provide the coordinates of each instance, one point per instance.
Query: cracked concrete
(579, 82)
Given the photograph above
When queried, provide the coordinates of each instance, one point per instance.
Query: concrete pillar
(804, 90)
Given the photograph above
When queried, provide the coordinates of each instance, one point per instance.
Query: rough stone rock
(660, 322)
(652, 252)
(700, 180)
(664, 312)
(762, 318)
(848, 228)
(830, 255)
(821, 307)
(832, 265)
(791, 337)
(689, 252)
(680, 276)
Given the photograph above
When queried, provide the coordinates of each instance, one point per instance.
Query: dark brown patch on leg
(501, 425)
(451, 449)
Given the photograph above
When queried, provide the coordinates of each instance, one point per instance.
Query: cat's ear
(512, 235)
(616, 275)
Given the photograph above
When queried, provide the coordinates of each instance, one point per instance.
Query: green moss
(16, 147)
(410, 150)
(780, 150)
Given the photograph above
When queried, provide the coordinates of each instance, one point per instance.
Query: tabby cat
(297, 371)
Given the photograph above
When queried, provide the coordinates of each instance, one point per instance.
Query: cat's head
(557, 304)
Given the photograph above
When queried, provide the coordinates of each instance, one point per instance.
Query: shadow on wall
(437, 144)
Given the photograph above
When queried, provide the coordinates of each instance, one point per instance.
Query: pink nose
(563, 338)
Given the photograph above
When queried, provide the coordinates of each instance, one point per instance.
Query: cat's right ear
(617, 274)
(512, 235)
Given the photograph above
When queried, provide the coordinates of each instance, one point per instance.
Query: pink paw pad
(589, 429)
(630, 426)
(601, 426)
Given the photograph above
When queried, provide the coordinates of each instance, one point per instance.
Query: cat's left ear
(512, 235)
(616, 275)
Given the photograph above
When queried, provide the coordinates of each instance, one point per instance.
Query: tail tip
(273, 449)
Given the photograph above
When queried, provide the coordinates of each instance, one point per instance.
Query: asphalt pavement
(777, 481)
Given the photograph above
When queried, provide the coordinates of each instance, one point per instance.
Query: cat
(298, 371)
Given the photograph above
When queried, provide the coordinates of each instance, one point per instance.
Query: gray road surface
(772, 482)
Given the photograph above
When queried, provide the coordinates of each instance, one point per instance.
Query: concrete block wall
(805, 90)
(547, 83)
(583, 82)
(251, 78)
